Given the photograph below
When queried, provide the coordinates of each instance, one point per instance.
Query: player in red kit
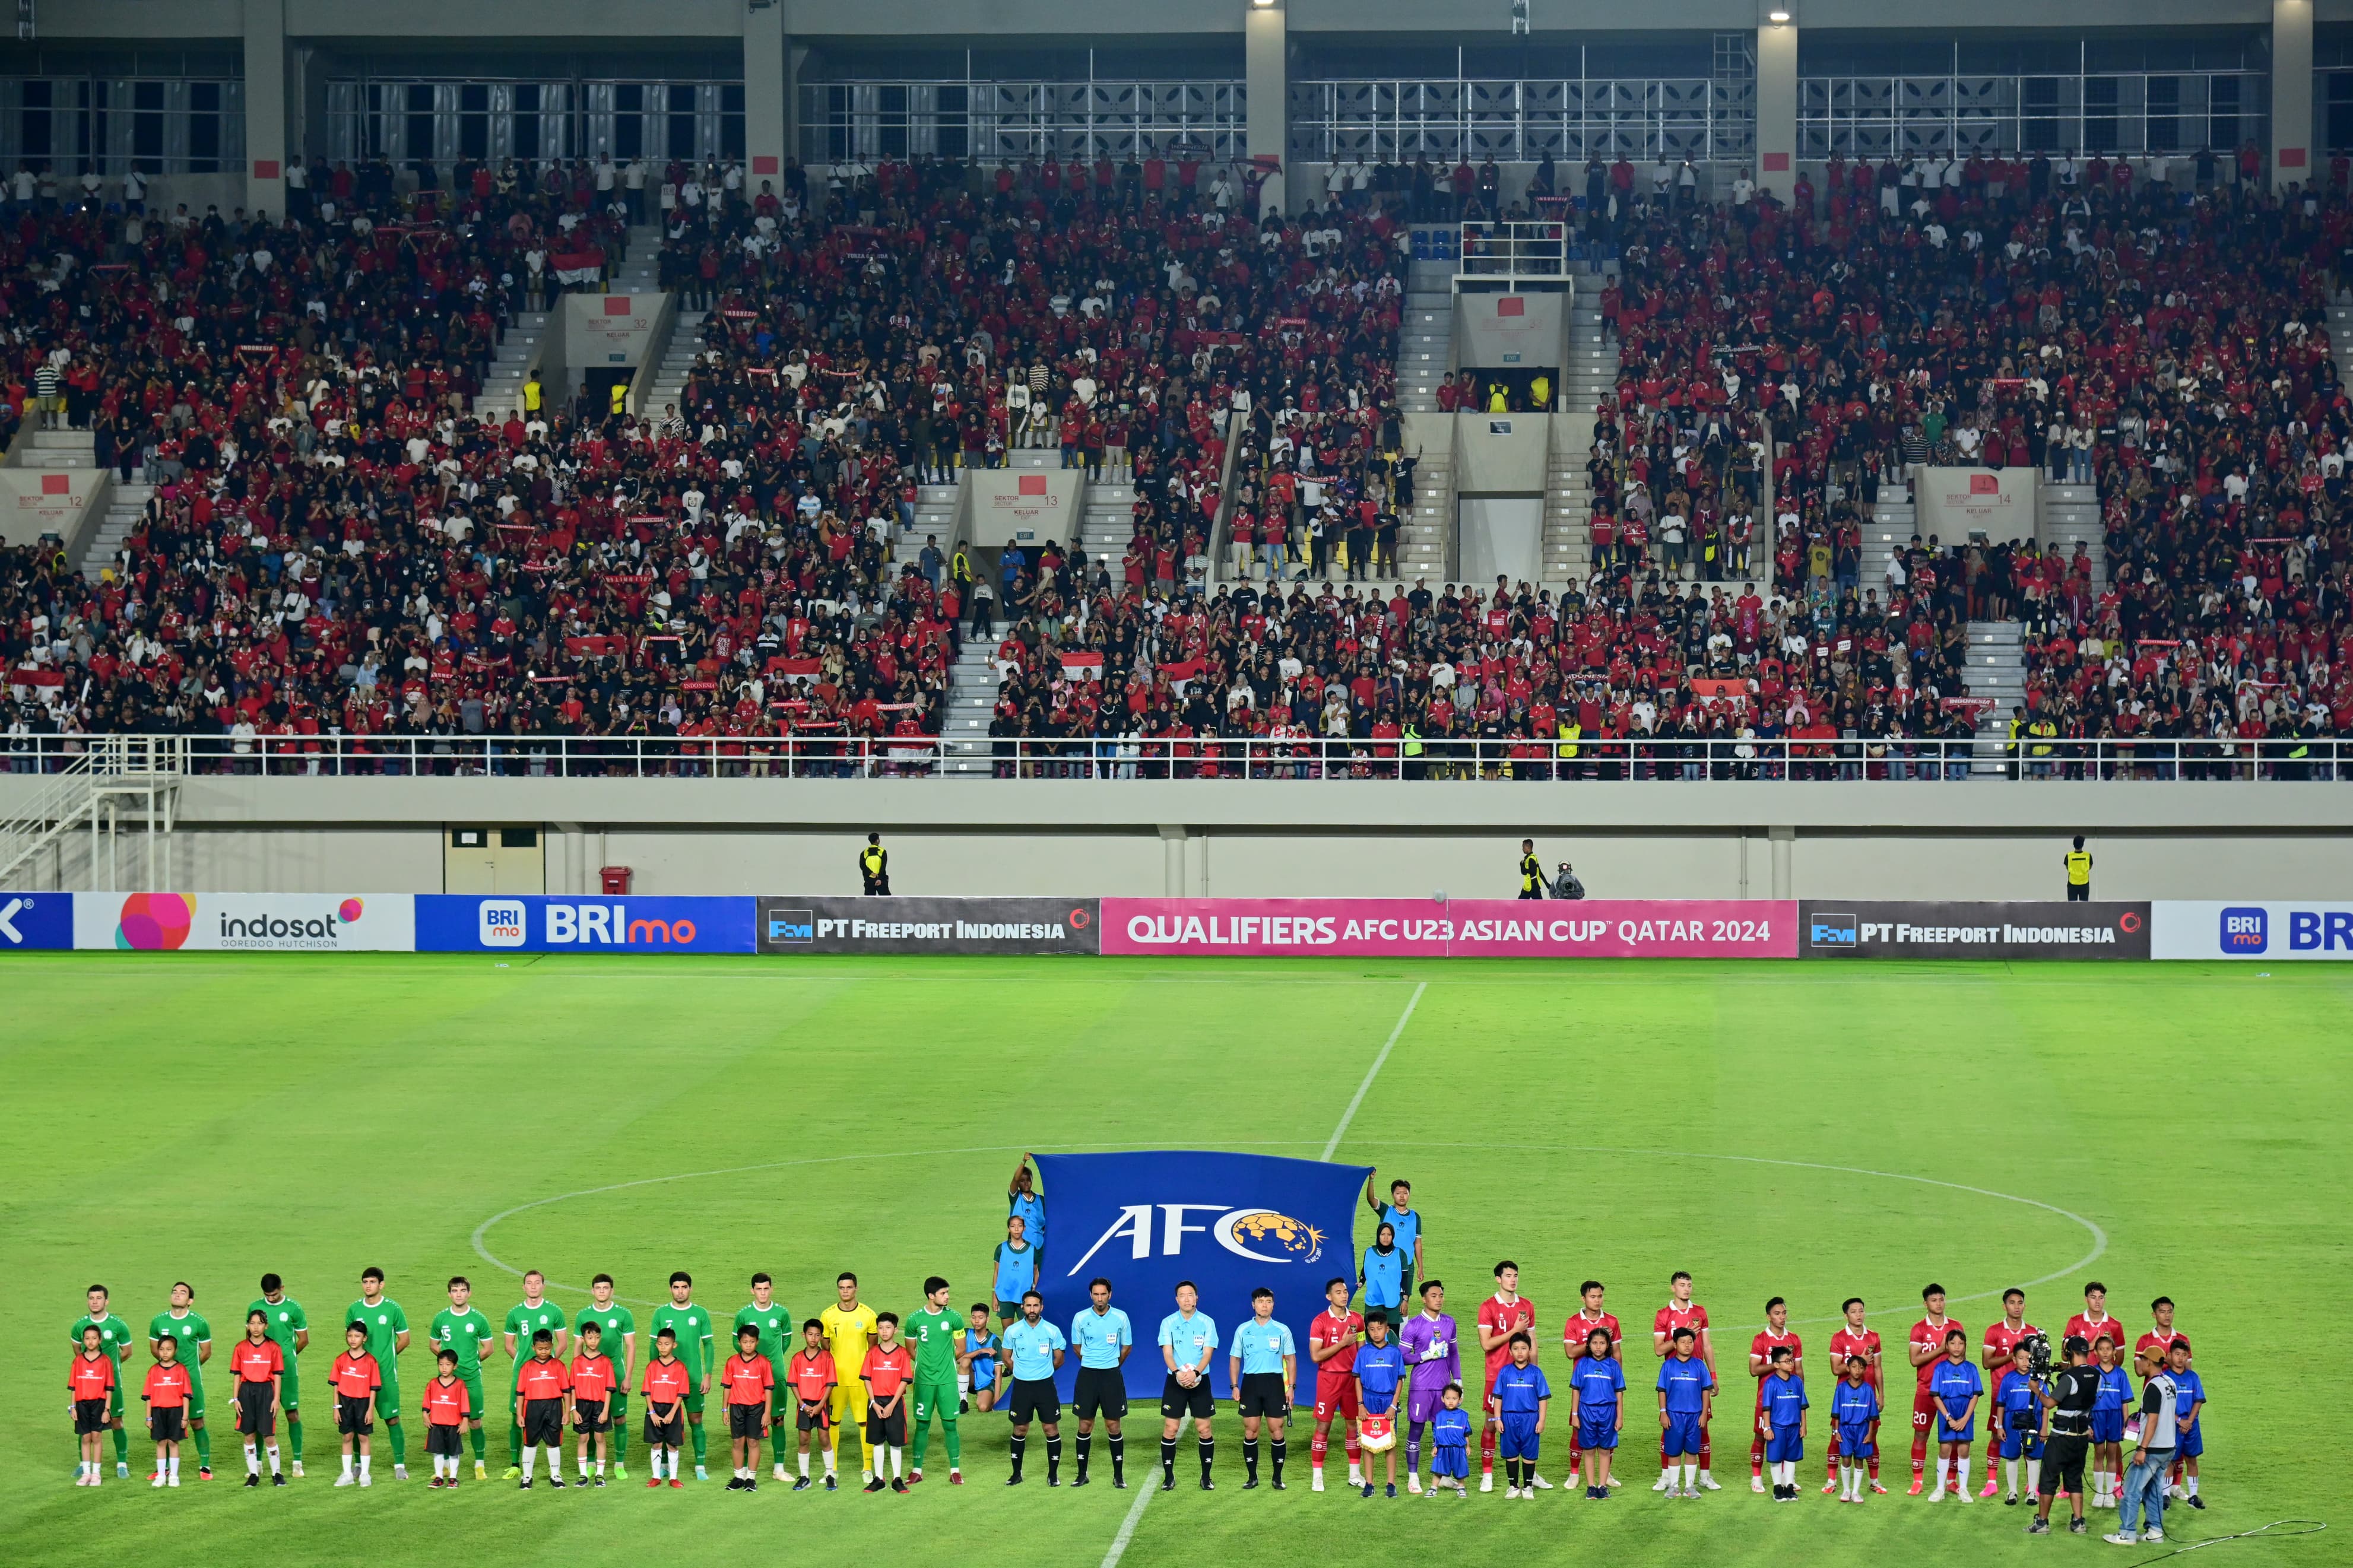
(1776, 1335)
(2001, 1337)
(1853, 1339)
(1682, 1312)
(1582, 1323)
(1927, 1348)
(2094, 1319)
(1332, 1342)
(1501, 1315)
(2149, 1355)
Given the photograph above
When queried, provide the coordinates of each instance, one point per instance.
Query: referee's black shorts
(1100, 1391)
(1176, 1401)
(1264, 1393)
(1034, 1399)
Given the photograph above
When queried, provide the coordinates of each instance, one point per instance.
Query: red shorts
(1334, 1396)
(1924, 1407)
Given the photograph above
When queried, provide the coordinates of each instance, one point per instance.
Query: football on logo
(1270, 1237)
(154, 922)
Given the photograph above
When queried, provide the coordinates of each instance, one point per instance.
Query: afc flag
(1230, 1223)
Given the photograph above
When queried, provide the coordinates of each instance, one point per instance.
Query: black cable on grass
(2278, 1527)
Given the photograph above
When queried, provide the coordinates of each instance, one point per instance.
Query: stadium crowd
(339, 553)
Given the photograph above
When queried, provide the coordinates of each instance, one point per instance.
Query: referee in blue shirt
(1103, 1337)
(1188, 1343)
(1035, 1347)
(1264, 1371)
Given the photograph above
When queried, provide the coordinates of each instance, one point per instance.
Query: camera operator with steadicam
(2068, 1394)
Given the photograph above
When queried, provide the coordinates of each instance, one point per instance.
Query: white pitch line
(1373, 1071)
(1144, 1498)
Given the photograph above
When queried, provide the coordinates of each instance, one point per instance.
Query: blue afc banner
(454, 922)
(1230, 1223)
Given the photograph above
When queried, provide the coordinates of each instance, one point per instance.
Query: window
(204, 127)
(628, 121)
(731, 120)
(417, 140)
(955, 122)
(36, 129)
(518, 838)
(526, 120)
(469, 838)
(147, 127)
(474, 121)
(681, 141)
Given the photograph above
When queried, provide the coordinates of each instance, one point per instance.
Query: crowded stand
(340, 555)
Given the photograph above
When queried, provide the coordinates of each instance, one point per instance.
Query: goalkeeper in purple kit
(1432, 1348)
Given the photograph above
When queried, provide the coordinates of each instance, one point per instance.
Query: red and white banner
(1468, 928)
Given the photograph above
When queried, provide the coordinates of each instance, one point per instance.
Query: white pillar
(765, 115)
(265, 107)
(1777, 100)
(1267, 84)
(2292, 139)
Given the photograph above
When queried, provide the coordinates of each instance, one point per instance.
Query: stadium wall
(1987, 840)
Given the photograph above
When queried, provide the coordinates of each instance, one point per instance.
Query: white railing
(1489, 252)
(1889, 759)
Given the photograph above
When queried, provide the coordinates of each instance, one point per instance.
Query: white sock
(2009, 1471)
(829, 1457)
(273, 1458)
(803, 1457)
(364, 1465)
(1961, 1471)
(347, 1463)
(252, 1460)
(898, 1457)
(600, 1467)
(2189, 1484)
(530, 1459)
(1691, 1475)
(1944, 1473)
(1669, 1475)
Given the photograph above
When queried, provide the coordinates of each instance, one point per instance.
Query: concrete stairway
(122, 508)
(669, 384)
(971, 702)
(640, 271)
(1105, 525)
(1589, 376)
(1891, 530)
(503, 388)
(1997, 669)
(935, 515)
(2070, 514)
(1425, 350)
(56, 450)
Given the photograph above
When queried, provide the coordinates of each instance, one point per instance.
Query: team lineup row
(853, 1367)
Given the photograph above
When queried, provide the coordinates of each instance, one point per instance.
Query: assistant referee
(2078, 862)
(1103, 1337)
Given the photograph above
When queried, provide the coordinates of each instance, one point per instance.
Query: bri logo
(1834, 931)
(503, 923)
(2246, 929)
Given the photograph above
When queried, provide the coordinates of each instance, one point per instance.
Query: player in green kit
(765, 1318)
(114, 1334)
(192, 1344)
(526, 1318)
(937, 1335)
(388, 1336)
(462, 1331)
(292, 1330)
(691, 1325)
(616, 1337)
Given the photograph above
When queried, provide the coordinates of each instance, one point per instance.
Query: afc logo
(2246, 929)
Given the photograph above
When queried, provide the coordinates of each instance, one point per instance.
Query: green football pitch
(1806, 1129)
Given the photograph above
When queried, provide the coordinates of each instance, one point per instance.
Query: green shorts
(693, 1403)
(114, 1398)
(936, 1397)
(616, 1405)
(387, 1398)
(473, 1382)
(195, 1393)
(289, 1387)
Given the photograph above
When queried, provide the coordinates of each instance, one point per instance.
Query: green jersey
(114, 1335)
(691, 1325)
(192, 1331)
(934, 1336)
(614, 1324)
(285, 1316)
(776, 1326)
(467, 1333)
(523, 1319)
(384, 1323)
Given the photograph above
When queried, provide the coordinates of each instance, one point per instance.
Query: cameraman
(2069, 1391)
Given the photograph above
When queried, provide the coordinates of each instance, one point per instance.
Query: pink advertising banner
(1472, 927)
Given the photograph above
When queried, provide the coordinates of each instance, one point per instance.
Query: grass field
(1808, 1129)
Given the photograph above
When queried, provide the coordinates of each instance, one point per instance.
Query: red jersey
(445, 1402)
(1692, 1317)
(666, 1382)
(167, 1387)
(250, 1362)
(356, 1376)
(887, 1372)
(2151, 1346)
(1927, 1335)
(1572, 1331)
(1497, 1316)
(1344, 1328)
(748, 1379)
(593, 1377)
(537, 1379)
(91, 1379)
(809, 1377)
(2000, 1339)
(2108, 1325)
(1763, 1346)
(1847, 1343)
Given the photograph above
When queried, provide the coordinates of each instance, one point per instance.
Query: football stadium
(900, 782)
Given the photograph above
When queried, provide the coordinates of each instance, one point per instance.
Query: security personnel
(874, 867)
(531, 396)
(2012, 750)
(1571, 732)
(1532, 877)
(1413, 766)
(618, 400)
(2044, 731)
(2078, 862)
